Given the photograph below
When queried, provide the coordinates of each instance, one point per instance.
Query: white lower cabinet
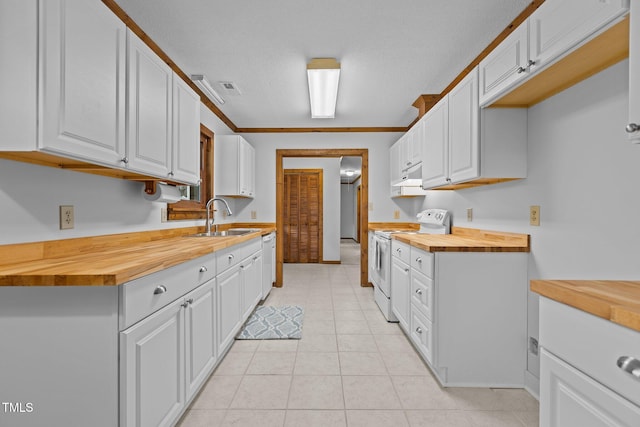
(229, 314)
(152, 367)
(238, 290)
(400, 283)
(465, 314)
(581, 382)
(570, 398)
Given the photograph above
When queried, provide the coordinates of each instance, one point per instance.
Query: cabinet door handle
(230, 256)
(406, 270)
(161, 289)
(419, 330)
(632, 127)
(419, 259)
(125, 160)
(419, 291)
(399, 251)
(630, 365)
(531, 63)
(521, 70)
(203, 269)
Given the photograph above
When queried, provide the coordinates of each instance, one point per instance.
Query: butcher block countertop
(614, 300)
(108, 260)
(467, 240)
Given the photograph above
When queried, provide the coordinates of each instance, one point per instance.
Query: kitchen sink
(226, 233)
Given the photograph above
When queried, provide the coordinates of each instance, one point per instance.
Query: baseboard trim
(532, 384)
(331, 262)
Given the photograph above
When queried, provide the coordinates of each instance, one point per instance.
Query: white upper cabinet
(18, 71)
(555, 31)
(185, 159)
(633, 127)
(83, 75)
(82, 91)
(78, 85)
(234, 167)
(559, 25)
(506, 65)
(395, 169)
(463, 130)
(465, 146)
(150, 109)
(436, 136)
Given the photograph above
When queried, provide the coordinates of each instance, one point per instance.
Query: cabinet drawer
(422, 333)
(422, 261)
(233, 255)
(401, 250)
(591, 344)
(141, 297)
(422, 294)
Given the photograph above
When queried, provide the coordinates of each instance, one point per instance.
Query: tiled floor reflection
(351, 368)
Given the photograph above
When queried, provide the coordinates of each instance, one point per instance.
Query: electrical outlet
(66, 217)
(396, 214)
(163, 215)
(469, 214)
(254, 214)
(534, 215)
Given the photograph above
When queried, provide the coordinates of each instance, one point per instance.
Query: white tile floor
(351, 368)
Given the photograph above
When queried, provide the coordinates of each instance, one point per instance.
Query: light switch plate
(534, 215)
(67, 219)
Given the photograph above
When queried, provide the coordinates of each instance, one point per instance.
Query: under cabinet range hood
(407, 191)
(412, 176)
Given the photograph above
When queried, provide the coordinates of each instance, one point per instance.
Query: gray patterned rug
(273, 323)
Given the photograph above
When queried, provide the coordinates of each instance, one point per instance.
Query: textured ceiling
(390, 51)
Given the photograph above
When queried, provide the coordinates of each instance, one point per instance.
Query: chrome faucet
(211, 219)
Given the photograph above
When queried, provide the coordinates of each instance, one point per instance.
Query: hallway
(351, 368)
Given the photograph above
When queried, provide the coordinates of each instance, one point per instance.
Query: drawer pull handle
(230, 257)
(630, 365)
(419, 291)
(203, 269)
(186, 303)
(419, 330)
(632, 127)
(406, 270)
(419, 259)
(399, 250)
(160, 290)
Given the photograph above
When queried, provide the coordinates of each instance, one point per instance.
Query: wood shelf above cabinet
(44, 159)
(601, 52)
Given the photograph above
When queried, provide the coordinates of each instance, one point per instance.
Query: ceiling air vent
(229, 88)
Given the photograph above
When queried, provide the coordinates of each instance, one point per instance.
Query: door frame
(320, 173)
(363, 153)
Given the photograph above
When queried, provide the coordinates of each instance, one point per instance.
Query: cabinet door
(505, 66)
(18, 74)
(200, 344)
(83, 54)
(395, 170)
(559, 25)
(152, 369)
(150, 105)
(634, 71)
(414, 148)
(185, 159)
(434, 146)
(229, 293)
(570, 398)
(464, 138)
(400, 285)
(251, 283)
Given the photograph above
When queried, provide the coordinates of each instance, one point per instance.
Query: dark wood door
(303, 215)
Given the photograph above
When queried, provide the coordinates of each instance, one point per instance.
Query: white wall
(584, 174)
(347, 207)
(330, 200)
(30, 196)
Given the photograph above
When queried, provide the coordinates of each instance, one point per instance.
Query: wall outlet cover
(534, 215)
(67, 219)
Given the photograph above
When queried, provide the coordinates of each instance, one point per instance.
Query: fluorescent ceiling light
(323, 75)
(349, 173)
(201, 81)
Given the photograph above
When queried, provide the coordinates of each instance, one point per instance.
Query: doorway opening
(362, 202)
